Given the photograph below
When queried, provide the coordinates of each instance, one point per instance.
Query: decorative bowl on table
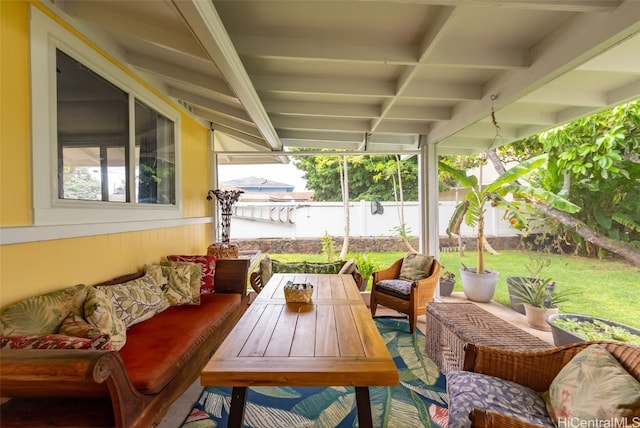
(298, 292)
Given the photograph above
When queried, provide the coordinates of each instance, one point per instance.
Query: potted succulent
(447, 282)
(536, 268)
(479, 283)
(540, 299)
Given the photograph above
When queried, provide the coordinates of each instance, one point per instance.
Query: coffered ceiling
(376, 76)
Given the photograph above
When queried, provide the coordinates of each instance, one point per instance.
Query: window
(105, 146)
(94, 158)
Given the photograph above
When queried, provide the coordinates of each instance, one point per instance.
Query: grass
(607, 289)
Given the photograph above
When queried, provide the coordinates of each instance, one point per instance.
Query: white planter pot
(537, 317)
(479, 287)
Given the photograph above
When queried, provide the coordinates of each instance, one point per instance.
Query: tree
(366, 182)
(391, 170)
(80, 184)
(344, 185)
(594, 162)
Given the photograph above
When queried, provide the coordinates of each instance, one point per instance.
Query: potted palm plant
(479, 283)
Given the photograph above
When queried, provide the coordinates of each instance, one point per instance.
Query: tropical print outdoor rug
(419, 401)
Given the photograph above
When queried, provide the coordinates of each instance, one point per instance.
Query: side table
(450, 326)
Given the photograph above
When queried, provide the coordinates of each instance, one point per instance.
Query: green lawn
(604, 288)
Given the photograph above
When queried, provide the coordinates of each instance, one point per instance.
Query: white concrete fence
(313, 219)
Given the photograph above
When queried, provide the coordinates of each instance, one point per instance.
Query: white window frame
(48, 209)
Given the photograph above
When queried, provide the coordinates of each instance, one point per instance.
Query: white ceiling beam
(553, 5)
(320, 144)
(325, 50)
(437, 23)
(306, 85)
(443, 91)
(475, 144)
(226, 121)
(572, 113)
(554, 96)
(256, 143)
(208, 103)
(625, 93)
(576, 41)
(295, 108)
(175, 72)
(402, 127)
(395, 139)
(513, 115)
(419, 113)
(339, 137)
(206, 25)
(474, 57)
(320, 124)
(487, 130)
(111, 17)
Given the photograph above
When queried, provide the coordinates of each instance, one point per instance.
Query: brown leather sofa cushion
(158, 348)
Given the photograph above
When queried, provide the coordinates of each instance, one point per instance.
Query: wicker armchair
(414, 304)
(534, 369)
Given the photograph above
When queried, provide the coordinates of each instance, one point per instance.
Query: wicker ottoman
(450, 326)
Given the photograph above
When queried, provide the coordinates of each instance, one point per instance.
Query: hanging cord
(494, 121)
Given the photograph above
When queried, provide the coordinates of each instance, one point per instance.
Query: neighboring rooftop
(258, 184)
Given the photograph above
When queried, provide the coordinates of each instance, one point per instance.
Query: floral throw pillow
(208, 274)
(415, 267)
(43, 314)
(75, 325)
(287, 267)
(56, 341)
(158, 276)
(593, 387)
(100, 313)
(469, 391)
(348, 267)
(323, 267)
(137, 300)
(178, 287)
(188, 276)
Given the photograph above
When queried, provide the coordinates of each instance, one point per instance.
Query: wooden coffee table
(331, 341)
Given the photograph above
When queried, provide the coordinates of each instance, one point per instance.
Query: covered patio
(422, 78)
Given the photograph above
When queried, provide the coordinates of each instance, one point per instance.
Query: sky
(282, 173)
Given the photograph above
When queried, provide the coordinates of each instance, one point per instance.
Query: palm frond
(517, 172)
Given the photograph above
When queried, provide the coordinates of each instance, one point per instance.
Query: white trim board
(25, 234)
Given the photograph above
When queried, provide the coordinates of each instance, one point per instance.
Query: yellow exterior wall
(195, 177)
(33, 268)
(15, 134)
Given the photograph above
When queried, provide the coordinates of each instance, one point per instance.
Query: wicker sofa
(130, 387)
(533, 369)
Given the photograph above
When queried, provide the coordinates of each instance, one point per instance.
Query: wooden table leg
(238, 402)
(364, 407)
